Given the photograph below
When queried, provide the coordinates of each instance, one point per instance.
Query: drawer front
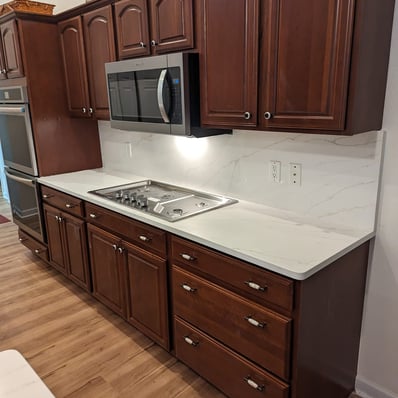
(37, 248)
(65, 202)
(228, 371)
(145, 236)
(257, 284)
(255, 332)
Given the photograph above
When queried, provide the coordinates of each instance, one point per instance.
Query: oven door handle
(162, 109)
(26, 181)
(6, 110)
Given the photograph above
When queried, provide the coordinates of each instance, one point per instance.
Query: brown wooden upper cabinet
(322, 64)
(155, 26)
(10, 53)
(228, 64)
(87, 43)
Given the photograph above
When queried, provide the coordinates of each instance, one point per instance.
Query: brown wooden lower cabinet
(249, 331)
(129, 279)
(67, 245)
(222, 331)
(107, 269)
(230, 372)
(147, 306)
(37, 248)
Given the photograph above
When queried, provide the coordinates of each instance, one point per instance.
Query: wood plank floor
(77, 346)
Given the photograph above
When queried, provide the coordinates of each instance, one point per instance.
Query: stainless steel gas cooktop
(169, 202)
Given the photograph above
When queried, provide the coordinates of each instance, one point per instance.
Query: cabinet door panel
(99, 49)
(229, 63)
(305, 63)
(106, 269)
(76, 250)
(131, 18)
(11, 49)
(72, 46)
(54, 236)
(172, 24)
(147, 295)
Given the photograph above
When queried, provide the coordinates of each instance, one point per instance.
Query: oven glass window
(15, 137)
(24, 205)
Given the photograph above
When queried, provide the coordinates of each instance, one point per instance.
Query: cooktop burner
(163, 200)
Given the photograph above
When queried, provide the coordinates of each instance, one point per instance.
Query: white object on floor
(18, 379)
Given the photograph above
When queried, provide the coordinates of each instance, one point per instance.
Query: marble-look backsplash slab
(340, 175)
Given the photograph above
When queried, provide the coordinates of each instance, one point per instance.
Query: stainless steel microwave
(157, 94)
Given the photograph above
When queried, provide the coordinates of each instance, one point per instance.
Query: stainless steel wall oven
(17, 143)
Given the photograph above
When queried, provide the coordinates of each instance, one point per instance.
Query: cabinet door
(305, 63)
(147, 294)
(11, 49)
(72, 47)
(53, 221)
(99, 49)
(132, 29)
(76, 250)
(106, 269)
(172, 25)
(229, 63)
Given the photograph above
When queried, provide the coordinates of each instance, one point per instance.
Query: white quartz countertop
(285, 243)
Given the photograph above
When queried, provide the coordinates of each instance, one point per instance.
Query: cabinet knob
(37, 251)
(142, 44)
(255, 286)
(60, 219)
(23, 239)
(189, 341)
(46, 196)
(4, 71)
(84, 110)
(114, 247)
(144, 238)
(254, 322)
(92, 215)
(187, 257)
(153, 43)
(120, 249)
(90, 111)
(188, 288)
(253, 384)
(69, 205)
(247, 115)
(267, 115)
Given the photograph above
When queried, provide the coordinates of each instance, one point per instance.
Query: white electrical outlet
(295, 173)
(275, 170)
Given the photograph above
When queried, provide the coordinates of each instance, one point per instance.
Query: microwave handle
(162, 109)
(25, 181)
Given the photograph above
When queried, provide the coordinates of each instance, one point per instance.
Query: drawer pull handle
(190, 341)
(253, 322)
(69, 205)
(253, 384)
(23, 239)
(46, 196)
(187, 257)
(256, 286)
(188, 288)
(144, 238)
(92, 215)
(38, 251)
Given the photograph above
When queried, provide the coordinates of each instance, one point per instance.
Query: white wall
(378, 362)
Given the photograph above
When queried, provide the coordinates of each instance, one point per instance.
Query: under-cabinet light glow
(191, 148)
